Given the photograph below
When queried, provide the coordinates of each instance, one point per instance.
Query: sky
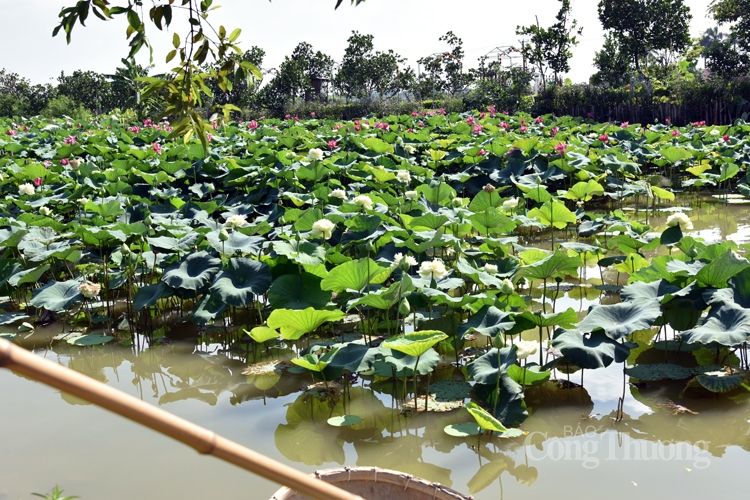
(409, 27)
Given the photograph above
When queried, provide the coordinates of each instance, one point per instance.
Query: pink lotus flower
(11, 132)
(286, 117)
(539, 119)
(701, 123)
(80, 125)
(409, 130)
(209, 137)
(134, 129)
(675, 133)
(523, 122)
(47, 164)
(523, 129)
(414, 113)
(38, 181)
(25, 128)
(312, 114)
(604, 138)
(560, 147)
(214, 125)
(625, 124)
(71, 139)
(64, 161)
(441, 111)
(668, 120)
(482, 115)
(725, 137)
(481, 152)
(470, 120)
(504, 125)
(553, 131)
(357, 128)
(492, 109)
(296, 118)
(421, 124)
(252, 125)
(332, 144)
(156, 148)
(477, 129)
(147, 122)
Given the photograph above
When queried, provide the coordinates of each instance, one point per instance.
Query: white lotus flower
(432, 269)
(45, 211)
(510, 204)
(525, 349)
(363, 201)
(457, 202)
(26, 189)
(506, 287)
(323, 228)
(403, 176)
(338, 193)
(315, 154)
(410, 149)
(715, 132)
(82, 201)
(490, 268)
(75, 163)
(680, 218)
(89, 290)
(410, 195)
(399, 258)
(235, 221)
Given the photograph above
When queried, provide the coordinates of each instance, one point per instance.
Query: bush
(62, 106)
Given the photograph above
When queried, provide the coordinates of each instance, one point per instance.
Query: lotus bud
(45, 211)
(507, 287)
(210, 188)
(125, 249)
(489, 188)
(223, 235)
(457, 202)
(404, 307)
(148, 220)
(290, 155)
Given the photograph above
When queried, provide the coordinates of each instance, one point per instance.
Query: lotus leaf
(620, 320)
(193, 273)
(591, 351)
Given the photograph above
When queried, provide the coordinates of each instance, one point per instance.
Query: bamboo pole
(202, 440)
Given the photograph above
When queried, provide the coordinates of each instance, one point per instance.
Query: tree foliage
(642, 26)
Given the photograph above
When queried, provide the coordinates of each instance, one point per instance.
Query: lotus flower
(511, 204)
(332, 144)
(560, 147)
(26, 189)
(525, 349)
(89, 290)
(71, 139)
(338, 193)
(252, 125)
(323, 228)
(681, 219)
(38, 181)
(64, 161)
(403, 176)
(410, 195)
(156, 148)
(315, 154)
(363, 201)
(432, 269)
(506, 287)
(235, 221)
(490, 268)
(604, 138)
(408, 260)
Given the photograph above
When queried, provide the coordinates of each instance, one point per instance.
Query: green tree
(642, 26)
(548, 49)
(19, 97)
(724, 60)
(127, 89)
(364, 72)
(241, 91)
(88, 88)
(444, 72)
(614, 67)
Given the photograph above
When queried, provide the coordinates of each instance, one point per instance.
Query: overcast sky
(410, 27)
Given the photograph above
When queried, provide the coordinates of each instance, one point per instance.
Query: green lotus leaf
(720, 381)
(301, 252)
(384, 298)
(415, 343)
(530, 376)
(484, 419)
(673, 154)
(566, 318)
(298, 291)
(344, 420)
(354, 357)
(237, 243)
(716, 273)
(295, 323)
(591, 351)
(622, 319)
(488, 321)
(488, 367)
(184, 244)
(9, 268)
(463, 430)
(57, 296)
(671, 236)
(492, 220)
(262, 334)
(193, 273)
(727, 325)
(553, 213)
(660, 290)
(355, 275)
(241, 281)
(557, 264)
(11, 317)
(315, 363)
(89, 340)
(659, 371)
(404, 365)
(210, 307)
(584, 191)
(29, 275)
(149, 295)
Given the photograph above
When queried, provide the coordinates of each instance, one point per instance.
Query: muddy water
(574, 447)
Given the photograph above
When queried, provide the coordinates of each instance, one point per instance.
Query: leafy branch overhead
(185, 86)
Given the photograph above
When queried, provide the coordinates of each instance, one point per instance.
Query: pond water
(574, 447)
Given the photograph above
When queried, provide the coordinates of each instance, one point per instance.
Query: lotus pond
(501, 304)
